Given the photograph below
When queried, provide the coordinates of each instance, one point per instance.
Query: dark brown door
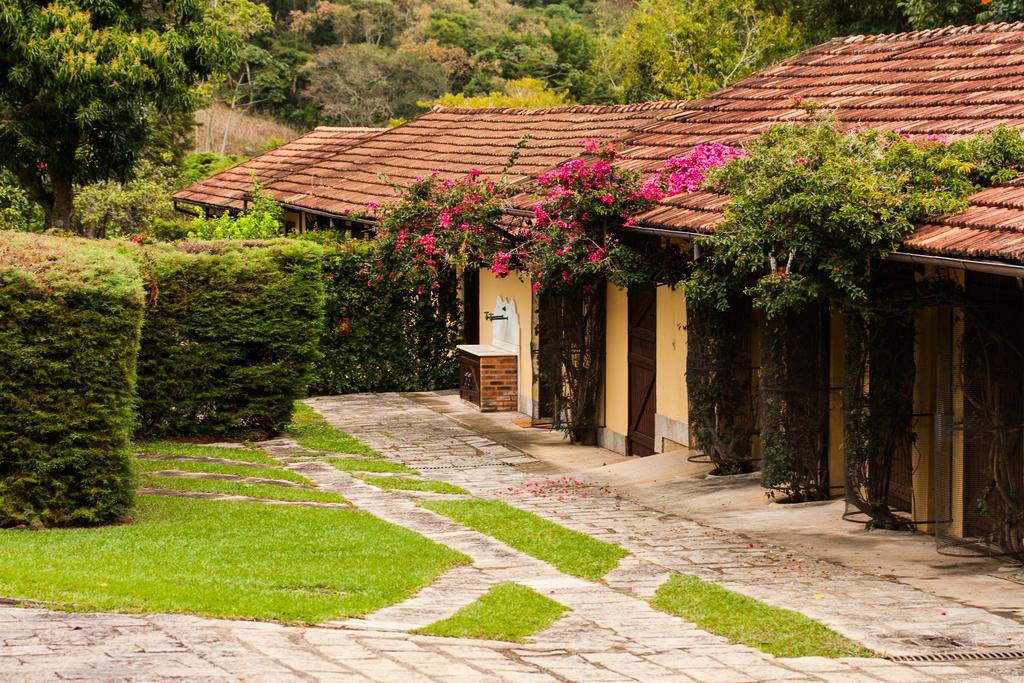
(642, 363)
(471, 305)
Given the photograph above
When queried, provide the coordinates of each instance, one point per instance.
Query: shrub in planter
(70, 313)
(230, 335)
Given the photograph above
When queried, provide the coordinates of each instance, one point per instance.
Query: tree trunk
(60, 214)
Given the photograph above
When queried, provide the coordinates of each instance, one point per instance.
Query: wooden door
(471, 305)
(642, 369)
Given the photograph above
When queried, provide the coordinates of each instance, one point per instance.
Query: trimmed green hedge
(395, 335)
(70, 313)
(230, 336)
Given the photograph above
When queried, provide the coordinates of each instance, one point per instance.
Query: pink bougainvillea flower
(500, 263)
(686, 172)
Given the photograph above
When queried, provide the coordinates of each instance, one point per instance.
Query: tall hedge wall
(230, 336)
(70, 313)
(387, 336)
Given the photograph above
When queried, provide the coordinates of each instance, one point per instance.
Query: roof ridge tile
(565, 109)
(924, 34)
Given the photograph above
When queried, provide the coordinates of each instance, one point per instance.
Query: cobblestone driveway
(611, 634)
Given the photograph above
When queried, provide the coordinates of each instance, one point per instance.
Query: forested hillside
(368, 62)
(100, 99)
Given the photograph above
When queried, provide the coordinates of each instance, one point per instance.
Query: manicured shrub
(70, 314)
(230, 336)
(385, 335)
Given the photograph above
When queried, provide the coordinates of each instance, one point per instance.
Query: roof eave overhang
(1015, 270)
(1005, 268)
(202, 205)
(328, 214)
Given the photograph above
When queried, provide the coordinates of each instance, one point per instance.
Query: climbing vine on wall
(812, 207)
(718, 383)
(878, 394)
(570, 246)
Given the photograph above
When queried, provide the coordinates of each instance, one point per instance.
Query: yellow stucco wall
(616, 385)
(672, 400)
(516, 287)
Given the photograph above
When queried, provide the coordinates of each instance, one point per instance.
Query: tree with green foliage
(936, 13)
(82, 83)
(685, 49)
(263, 218)
(525, 93)
(824, 19)
(813, 210)
(363, 84)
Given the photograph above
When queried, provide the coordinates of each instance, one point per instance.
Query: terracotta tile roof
(227, 189)
(956, 81)
(454, 141)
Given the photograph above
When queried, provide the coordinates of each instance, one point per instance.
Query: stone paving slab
(611, 634)
(886, 616)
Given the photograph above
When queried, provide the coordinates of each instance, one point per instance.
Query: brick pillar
(498, 383)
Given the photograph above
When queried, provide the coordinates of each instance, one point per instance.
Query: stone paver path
(611, 634)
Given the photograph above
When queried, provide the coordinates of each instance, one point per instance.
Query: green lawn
(225, 559)
(217, 468)
(312, 432)
(406, 484)
(779, 632)
(571, 551)
(239, 488)
(357, 465)
(508, 611)
(190, 450)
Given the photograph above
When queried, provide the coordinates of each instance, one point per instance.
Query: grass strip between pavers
(217, 468)
(193, 450)
(239, 488)
(742, 619)
(570, 551)
(358, 465)
(233, 559)
(405, 484)
(312, 431)
(508, 611)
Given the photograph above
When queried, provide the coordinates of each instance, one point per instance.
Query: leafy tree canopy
(683, 50)
(82, 83)
(812, 207)
(526, 93)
